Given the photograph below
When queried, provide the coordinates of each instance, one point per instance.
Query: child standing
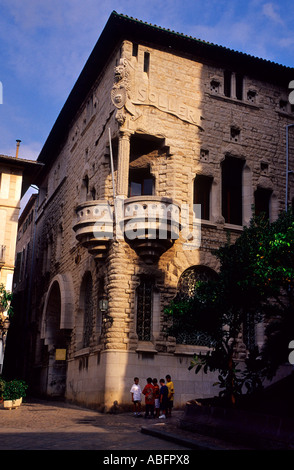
(156, 397)
(171, 391)
(163, 398)
(136, 397)
(148, 391)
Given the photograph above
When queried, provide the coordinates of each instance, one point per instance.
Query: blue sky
(45, 44)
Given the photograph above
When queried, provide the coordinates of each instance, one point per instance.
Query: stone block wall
(179, 103)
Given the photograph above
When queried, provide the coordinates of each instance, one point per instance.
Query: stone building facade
(157, 124)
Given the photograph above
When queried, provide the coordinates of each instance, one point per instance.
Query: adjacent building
(16, 175)
(158, 125)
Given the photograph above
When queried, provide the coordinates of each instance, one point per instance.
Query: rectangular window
(202, 189)
(16, 274)
(227, 83)
(135, 49)
(239, 86)
(144, 309)
(141, 183)
(232, 169)
(146, 61)
(238, 82)
(262, 199)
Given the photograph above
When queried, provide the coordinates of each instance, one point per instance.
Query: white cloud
(44, 46)
(270, 12)
(47, 43)
(286, 42)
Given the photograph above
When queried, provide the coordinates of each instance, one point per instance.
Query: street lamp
(103, 304)
(103, 307)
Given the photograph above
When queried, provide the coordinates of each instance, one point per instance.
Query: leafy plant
(253, 376)
(14, 389)
(221, 359)
(256, 281)
(5, 301)
(2, 385)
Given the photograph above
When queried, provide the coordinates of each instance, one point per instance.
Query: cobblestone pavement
(49, 425)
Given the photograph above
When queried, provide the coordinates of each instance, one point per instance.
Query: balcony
(151, 224)
(94, 227)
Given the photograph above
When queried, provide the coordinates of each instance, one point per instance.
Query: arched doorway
(56, 331)
(85, 318)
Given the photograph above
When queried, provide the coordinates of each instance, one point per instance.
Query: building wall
(177, 104)
(10, 192)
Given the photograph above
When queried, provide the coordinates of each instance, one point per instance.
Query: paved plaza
(49, 425)
(87, 436)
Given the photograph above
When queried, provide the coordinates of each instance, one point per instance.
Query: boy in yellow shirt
(170, 396)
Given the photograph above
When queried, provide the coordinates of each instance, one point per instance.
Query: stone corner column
(123, 163)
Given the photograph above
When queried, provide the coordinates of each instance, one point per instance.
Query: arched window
(188, 281)
(86, 304)
(144, 309)
(187, 286)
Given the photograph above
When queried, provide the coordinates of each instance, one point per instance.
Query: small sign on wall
(60, 354)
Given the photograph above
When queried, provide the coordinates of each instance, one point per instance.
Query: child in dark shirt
(163, 398)
(156, 397)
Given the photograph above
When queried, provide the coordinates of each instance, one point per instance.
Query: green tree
(5, 301)
(255, 283)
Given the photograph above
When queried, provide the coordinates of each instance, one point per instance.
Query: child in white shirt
(136, 397)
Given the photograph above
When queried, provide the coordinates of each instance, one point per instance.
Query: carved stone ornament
(119, 92)
(120, 117)
(118, 96)
(121, 71)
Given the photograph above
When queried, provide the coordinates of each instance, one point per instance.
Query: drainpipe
(287, 164)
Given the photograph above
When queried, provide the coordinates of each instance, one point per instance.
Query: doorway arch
(57, 324)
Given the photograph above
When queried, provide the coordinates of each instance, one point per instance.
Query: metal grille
(88, 312)
(197, 338)
(249, 332)
(144, 310)
(186, 289)
(191, 277)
